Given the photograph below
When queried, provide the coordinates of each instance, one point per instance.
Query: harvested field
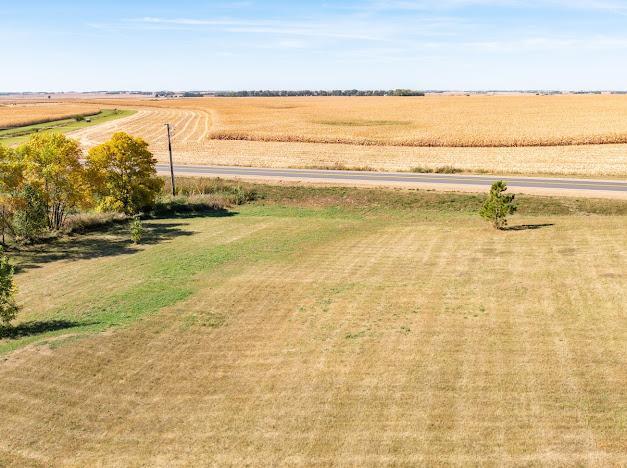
(312, 333)
(441, 121)
(190, 129)
(388, 124)
(20, 114)
(451, 121)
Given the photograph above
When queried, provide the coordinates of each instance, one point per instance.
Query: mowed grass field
(329, 327)
(561, 135)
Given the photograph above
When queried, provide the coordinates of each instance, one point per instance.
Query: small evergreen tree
(8, 308)
(137, 230)
(498, 205)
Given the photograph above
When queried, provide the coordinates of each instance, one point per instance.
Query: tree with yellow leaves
(50, 163)
(123, 175)
(11, 178)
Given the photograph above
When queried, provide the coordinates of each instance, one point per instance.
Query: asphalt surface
(400, 178)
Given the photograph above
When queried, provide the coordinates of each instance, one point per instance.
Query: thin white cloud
(412, 33)
(193, 21)
(543, 44)
(434, 5)
(334, 28)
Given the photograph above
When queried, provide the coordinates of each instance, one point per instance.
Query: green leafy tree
(498, 205)
(51, 164)
(8, 307)
(123, 174)
(30, 216)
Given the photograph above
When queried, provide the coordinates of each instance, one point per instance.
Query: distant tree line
(135, 93)
(307, 92)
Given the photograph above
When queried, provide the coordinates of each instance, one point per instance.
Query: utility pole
(167, 126)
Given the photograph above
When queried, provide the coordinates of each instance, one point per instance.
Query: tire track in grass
(583, 376)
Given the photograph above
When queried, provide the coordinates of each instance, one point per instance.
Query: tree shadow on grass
(185, 211)
(157, 232)
(527, 227)
(26, 329)
(112, 240)
(72, 249)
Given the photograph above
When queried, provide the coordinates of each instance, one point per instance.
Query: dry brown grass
(20, 114)
(592, 160)
(321, 337)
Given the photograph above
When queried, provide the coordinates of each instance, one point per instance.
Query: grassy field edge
(17, 135)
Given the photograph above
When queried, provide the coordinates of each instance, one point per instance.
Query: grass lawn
(19, 135)
(326, 326)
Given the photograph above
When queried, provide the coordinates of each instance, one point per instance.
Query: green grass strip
(167, 280)
(18, 135)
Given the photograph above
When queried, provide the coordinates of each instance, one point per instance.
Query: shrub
(92, 221)
(137, 230)
(447, 170)
(228, 193)
(8, 308)
(239, 195)
(168, 205)
(437, 170)
(498, 205)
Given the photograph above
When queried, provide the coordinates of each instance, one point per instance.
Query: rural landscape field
(237, 323)
(358, 233)
(516, 134)
(326, 326)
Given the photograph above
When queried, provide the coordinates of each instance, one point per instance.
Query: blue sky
(60, 45)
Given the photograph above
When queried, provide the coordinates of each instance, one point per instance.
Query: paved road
(405, 179)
